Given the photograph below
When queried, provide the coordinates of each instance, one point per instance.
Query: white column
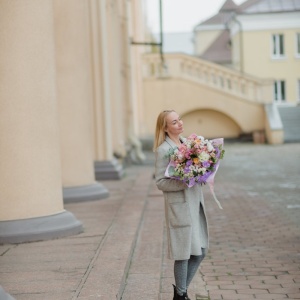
(132, 55)
(106, 166)
(75, 100)
(30, 170)
(115, 59)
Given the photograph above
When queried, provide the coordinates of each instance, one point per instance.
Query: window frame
(276, 45)
(298, 90)
(277, 85)
(297, 44)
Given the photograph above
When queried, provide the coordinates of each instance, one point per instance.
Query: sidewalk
(254, 241)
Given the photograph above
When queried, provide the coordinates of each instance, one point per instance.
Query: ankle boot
(178, 297)
(186, 296)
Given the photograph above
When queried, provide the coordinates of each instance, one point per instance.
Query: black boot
(186, 296)
(178, 297)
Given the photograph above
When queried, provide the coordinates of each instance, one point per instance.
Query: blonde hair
(161, 126)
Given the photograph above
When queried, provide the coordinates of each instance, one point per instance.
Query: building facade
(260, 38)
(69, 90)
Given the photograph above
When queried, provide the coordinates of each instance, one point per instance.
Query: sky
(181, 15)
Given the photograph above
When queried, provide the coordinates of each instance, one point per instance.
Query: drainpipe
(161, 33)
(241, 43)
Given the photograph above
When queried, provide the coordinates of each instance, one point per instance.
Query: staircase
(290, 117)
(193, 86)
(211, 75)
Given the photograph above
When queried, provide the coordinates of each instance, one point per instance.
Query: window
(298, 85)
(279, 91)
(298, 44)
(278, 45)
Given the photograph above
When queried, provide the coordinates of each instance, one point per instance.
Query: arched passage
(210, 124)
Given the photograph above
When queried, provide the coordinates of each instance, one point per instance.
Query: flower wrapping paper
(196, 161)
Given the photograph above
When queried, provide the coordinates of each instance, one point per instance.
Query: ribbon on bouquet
(210, 179)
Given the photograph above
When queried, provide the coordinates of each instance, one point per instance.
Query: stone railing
(210, 74)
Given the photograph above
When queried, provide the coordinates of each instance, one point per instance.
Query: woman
(187, 231)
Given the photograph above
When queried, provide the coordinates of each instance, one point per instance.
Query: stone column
(30, 170)
(106, 166)
(132, 56)
(75, 100)
(115, 60)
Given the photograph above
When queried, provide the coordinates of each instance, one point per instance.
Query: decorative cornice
(260, 22)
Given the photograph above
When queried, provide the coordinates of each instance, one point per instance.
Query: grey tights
(184, 271)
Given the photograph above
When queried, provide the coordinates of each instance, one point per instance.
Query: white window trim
(298, 90)
(277, 56)
(297, 36)
(279, 101)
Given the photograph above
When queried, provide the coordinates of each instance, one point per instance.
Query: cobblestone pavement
(254, 241)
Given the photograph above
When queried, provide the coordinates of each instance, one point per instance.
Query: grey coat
(187, 230)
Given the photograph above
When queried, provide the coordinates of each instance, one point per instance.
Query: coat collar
(171, 143)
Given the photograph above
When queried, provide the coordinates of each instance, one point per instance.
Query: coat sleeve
(163, 183)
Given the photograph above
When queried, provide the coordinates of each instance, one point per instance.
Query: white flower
(210, 147)
(203, 156)
(203, 170)
(180, 156)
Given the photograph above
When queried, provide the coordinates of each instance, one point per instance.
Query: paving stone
(294, 296)
(255, 229)
(254, 240)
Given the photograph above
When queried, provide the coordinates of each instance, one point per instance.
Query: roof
(219, 51)
(268, 6)
(251, 7)
(220, 18)
(223, 15)
(229, 5)
(247, 4)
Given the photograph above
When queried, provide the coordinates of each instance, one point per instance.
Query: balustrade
(207, 73)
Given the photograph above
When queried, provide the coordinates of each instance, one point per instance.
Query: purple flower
(203, 178)
(192, 181)
(206, 164)
(189, 163)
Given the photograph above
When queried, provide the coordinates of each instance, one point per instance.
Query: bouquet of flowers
(196, 160)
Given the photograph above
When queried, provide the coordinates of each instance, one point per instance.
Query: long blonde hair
(161, 126)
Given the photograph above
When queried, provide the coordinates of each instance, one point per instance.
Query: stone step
(290, 117)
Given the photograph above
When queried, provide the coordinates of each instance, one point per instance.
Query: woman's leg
(180, 274)
(193, 265)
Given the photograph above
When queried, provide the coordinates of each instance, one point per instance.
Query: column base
(95, 191)
(108, 170)
(39, 229)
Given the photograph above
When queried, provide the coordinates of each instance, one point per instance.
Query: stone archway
(210, 124)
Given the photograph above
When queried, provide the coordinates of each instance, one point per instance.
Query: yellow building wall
(235, 51)
(258, 61)
(220, 113)
(210, 124)
(203, 40)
